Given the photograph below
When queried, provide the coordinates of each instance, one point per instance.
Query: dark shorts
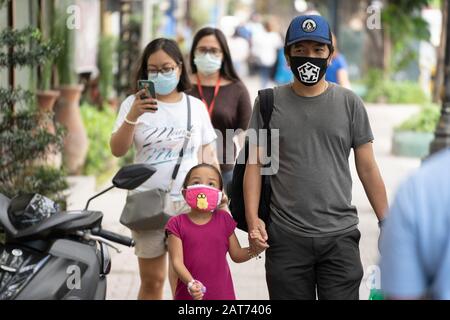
(306, 268)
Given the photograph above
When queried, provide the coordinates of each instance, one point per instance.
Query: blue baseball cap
(308, 27)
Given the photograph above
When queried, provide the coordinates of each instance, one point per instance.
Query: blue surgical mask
(165, 84)
(207, 64)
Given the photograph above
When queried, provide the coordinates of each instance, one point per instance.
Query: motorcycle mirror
(132, 176)
(129, 177)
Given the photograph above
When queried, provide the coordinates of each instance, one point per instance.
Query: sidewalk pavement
(249, 277)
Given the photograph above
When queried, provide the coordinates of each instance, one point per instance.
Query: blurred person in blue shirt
(337, 71)
(283, 73)
(415, 240)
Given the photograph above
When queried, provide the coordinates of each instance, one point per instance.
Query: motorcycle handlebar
(126, 241)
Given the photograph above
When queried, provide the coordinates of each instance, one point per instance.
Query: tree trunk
(387, 51)
(374, 50)
(11, 24)
(439, 74)
(373, 46)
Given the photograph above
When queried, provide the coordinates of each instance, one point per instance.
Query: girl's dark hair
(203, 165)
(227, 69)
(171, 48)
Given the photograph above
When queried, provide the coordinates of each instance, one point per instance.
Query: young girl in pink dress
(199, 240)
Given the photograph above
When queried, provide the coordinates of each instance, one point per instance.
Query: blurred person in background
(338, 70)
(415, 238)
(265, 47)
(282, 71)
(240, 52)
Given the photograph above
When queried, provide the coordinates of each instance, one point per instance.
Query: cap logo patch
(309, 25)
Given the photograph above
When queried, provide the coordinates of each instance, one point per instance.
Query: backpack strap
(266, 101)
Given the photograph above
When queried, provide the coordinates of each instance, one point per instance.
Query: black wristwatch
(381, 223)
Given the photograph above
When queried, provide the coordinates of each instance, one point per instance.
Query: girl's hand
(141, 106)
(196, 289)
(254, 254)
(196, 292)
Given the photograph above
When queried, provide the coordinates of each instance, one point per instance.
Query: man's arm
(370, 177)
(252, 187)
(252, 193)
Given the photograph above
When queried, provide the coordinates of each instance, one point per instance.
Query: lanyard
(216, 92)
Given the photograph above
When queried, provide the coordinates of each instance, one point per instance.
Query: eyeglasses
(204, 50)
(153, 73)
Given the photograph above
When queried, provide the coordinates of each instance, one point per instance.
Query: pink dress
(205, 250)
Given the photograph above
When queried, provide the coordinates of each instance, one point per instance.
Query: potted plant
(412, 138)
(46, 97)
(24, 142)
(68, 104)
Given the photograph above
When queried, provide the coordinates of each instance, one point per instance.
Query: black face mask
(308, 70)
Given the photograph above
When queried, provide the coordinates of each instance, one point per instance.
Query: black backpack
(237, 205)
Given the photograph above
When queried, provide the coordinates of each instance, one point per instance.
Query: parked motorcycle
(53, 254)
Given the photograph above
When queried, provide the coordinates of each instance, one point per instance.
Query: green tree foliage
(403, 23)
(25, 142)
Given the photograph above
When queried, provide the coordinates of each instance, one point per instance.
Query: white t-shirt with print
(159, 137)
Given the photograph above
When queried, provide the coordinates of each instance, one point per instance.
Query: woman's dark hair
(227, 69)
(171, 48)
(203, 165)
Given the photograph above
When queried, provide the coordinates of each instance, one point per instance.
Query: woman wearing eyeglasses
(224, 95)
(157, 128)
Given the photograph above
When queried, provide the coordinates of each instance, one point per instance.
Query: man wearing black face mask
(313, 235)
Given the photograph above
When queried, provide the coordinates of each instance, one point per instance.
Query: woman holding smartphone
(157, 128)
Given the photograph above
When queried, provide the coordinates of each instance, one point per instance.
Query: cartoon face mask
(202, 197)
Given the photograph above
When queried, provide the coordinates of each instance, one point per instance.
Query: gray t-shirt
(312, 189)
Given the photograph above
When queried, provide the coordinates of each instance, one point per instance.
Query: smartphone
(150, 88)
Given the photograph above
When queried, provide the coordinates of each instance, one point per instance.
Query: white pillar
(147, 22)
